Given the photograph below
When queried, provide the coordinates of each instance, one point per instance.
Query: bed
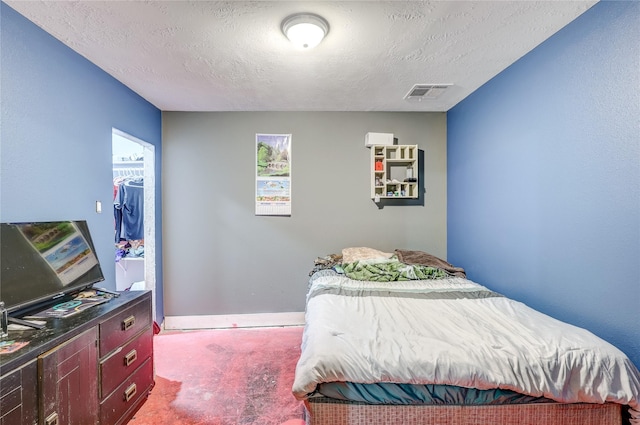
(405, 338)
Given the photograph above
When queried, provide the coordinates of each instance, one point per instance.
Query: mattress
(429, 394)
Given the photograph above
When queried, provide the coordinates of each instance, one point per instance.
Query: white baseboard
(234, 321)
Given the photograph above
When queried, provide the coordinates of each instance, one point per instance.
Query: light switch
(98, 207)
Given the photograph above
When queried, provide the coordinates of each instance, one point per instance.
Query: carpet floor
(224, 377)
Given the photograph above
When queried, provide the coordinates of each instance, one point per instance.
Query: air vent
(426, 91)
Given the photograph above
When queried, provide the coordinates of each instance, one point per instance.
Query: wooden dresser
(95, 367)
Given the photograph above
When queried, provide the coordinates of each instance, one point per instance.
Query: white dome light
(305, 30)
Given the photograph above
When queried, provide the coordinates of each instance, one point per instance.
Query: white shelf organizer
(394, 172)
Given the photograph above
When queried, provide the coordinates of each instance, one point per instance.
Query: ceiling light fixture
(305, 30)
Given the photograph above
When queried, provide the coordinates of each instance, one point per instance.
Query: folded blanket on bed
(390, 270)
(425, 259)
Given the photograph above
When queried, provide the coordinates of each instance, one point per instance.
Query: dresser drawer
(19, 397)
(120, 364)
(123, 326)
(127, 395)
(10, 392)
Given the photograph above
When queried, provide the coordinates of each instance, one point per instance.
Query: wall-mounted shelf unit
(394, 172)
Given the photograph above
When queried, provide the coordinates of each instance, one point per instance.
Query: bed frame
(326, 411)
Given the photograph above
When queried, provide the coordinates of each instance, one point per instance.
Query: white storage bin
(371, 139)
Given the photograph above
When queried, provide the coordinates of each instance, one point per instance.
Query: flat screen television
(41, 262)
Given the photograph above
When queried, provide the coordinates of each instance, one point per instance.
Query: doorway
(134, 160)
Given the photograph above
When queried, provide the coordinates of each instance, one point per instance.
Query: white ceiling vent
(426, 91)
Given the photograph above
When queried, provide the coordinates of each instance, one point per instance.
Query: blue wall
(58, 111)
(544, 177)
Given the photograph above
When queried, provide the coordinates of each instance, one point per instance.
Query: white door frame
(149, 152)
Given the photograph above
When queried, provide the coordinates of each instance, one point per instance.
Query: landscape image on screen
(63, 247)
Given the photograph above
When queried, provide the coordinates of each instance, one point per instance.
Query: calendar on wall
(273, 174)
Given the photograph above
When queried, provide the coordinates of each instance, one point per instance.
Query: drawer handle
(131, 357)
(128, 323)
(52, 419)
(130, 392)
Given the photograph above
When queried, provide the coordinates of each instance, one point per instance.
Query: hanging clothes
(129, 209)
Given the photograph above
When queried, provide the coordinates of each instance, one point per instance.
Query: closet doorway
(134, 232)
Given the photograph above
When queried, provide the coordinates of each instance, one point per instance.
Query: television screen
(44, 261)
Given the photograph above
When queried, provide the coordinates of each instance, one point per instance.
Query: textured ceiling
(232, 55)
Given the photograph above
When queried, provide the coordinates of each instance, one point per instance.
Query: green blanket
(391, 270)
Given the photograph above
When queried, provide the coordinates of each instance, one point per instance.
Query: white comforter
(412, 332)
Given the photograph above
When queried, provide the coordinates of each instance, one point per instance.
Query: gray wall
(220, 258)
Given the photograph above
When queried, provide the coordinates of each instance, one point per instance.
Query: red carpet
(224, 377)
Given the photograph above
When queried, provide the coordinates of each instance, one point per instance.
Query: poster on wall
(273, 174)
